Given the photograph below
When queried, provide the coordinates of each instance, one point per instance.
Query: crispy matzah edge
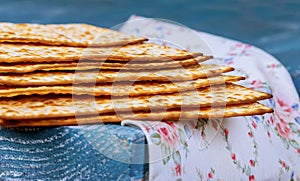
(61, 106)
(56, 66)
(101, 90)
(256, 109)
(59, 78)
(68, 35)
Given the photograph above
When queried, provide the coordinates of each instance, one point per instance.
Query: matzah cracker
(63, 106)
(137, 89)
(64, 34)
(12, 53)
(34, 66)
(171, 115)
(59, 78)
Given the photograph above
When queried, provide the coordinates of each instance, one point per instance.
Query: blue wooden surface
(67, 153)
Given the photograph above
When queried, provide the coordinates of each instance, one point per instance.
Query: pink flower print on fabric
(285, 107)
(283, 128)
(210, 175)
(178, 170)
(168, 133)
(251, 178)
(256, 84)
(252, 163)
(233, 156)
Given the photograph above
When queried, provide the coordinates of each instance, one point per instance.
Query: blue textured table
(91, 152)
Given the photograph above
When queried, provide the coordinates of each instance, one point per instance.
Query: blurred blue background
(273, 25)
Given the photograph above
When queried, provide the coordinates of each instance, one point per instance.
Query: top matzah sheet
(64, 34)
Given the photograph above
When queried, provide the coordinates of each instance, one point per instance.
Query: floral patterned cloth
(263, 147)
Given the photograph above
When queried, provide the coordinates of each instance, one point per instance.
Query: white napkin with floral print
(242, 148)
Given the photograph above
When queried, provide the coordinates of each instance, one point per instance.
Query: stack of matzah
(52, 75)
